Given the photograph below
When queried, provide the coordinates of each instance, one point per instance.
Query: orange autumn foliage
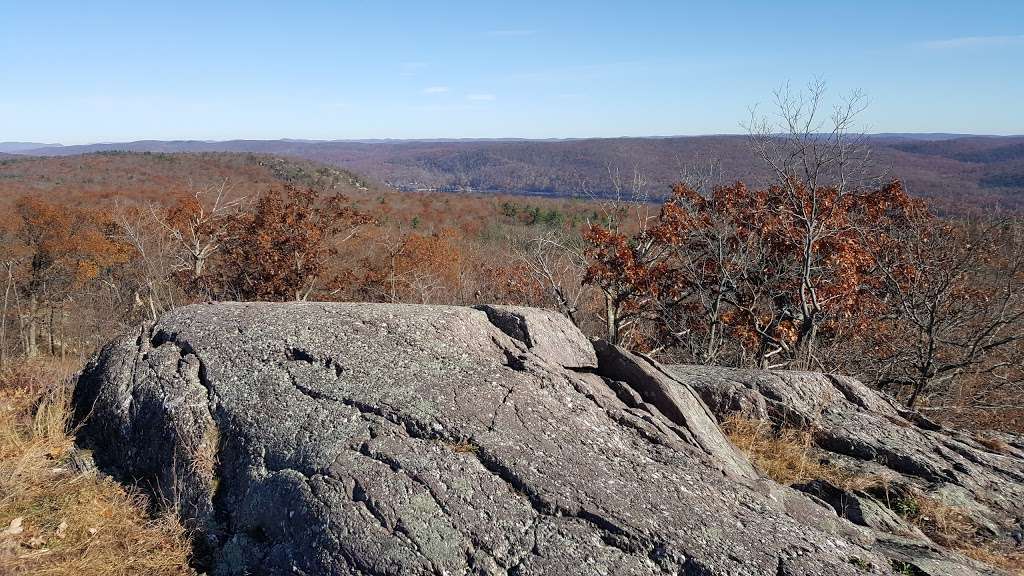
(760, 271)
(65, 247)
(279, 249)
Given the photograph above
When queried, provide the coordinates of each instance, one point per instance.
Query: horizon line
(43, 145)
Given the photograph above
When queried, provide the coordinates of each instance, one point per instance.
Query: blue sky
(88, 71)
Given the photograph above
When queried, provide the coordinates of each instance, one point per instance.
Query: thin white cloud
(973, 42)
(481, 97)
(511, 33)
(435, 90)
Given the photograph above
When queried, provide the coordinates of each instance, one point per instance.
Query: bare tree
(631, 199)
(557, 260)
(195, 225)
(151, 271)
(625, 219)
(957, 293)
(9, 268)
(702, 175)
(814, 155)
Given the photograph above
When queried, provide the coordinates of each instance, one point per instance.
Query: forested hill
(92, 179)
(955, 171)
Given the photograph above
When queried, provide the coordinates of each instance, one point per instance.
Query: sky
(94, 71)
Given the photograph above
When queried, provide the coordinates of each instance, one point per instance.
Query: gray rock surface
(312, 438)
(550, 336)
(658, 393)
(868, 433)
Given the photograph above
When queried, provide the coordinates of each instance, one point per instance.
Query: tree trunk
(52, 333)
(611, 319)
(31, 337)
(563, 304)
(63, 337)
(918, 388)
(393, 289)
(806, 354)
(3, 318)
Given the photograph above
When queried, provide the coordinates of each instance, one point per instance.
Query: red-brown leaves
(773, 267)
(64, 247)
(279, 249)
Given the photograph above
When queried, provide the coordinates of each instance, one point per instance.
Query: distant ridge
(930, 135)
(955, 170)
(171, 146)
(18, 147)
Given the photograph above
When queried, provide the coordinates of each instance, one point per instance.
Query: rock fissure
(302, 355)
(610, 533)
(847, 393)
(308, 391)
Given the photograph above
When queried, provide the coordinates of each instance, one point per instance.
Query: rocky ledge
(311, 438)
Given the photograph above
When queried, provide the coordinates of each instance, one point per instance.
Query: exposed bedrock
(311, 438)
(872, 435)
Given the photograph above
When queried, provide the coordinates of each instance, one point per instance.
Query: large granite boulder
(311, 438)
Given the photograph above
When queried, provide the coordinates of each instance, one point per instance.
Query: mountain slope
(21, 147)
(956, 172)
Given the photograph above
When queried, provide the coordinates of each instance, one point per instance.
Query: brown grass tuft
(950, 526)
(992, 443)
(54, 520)
(788, 456)
(465, 447)
(943, 523)
(1008, 560)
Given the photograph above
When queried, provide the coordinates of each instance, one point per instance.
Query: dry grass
(945, 524)
(56, 521)
(992, 443)
(1009, 560)
(789, 456)
(465, 447)
(952, 527)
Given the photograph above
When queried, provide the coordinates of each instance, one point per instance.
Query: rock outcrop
(312, 438)
(869, 434)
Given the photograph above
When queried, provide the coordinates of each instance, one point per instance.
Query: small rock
(14, 528)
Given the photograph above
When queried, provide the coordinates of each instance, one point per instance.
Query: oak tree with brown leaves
(734, 274)
(282, 248)
(59, 254)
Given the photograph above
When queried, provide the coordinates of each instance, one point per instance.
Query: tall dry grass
(789, 456)
(55, 520)
(953, 528)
